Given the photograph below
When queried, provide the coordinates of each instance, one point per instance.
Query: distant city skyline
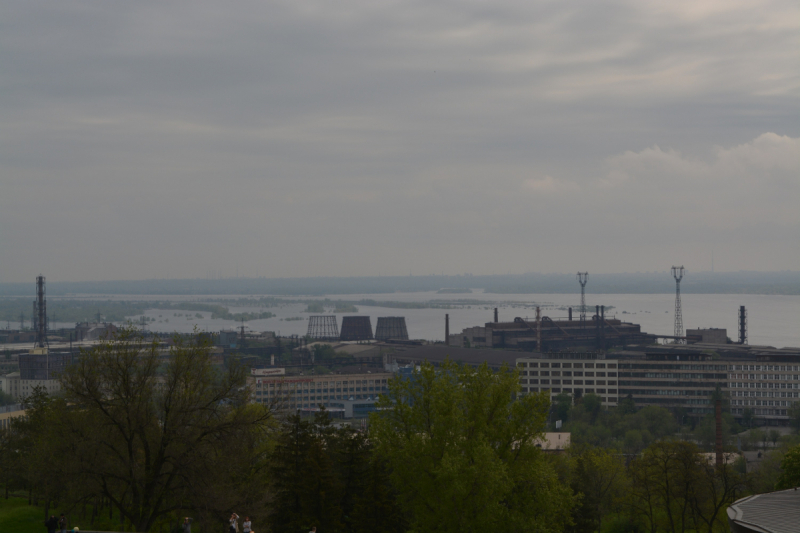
(279, 139)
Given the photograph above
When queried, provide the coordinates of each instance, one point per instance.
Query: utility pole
(677, 273)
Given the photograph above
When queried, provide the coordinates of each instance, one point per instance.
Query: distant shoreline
(766, 283)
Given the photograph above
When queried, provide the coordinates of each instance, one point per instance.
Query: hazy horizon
(274, 139)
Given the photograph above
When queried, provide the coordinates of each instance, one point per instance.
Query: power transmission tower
(677, 273)
(583, 277)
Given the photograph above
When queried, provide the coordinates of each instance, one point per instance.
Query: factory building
(544, 334)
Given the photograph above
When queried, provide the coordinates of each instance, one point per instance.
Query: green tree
(155, 436)
(774, 436)
(794, 417)
(562, 407)
(599, 477)
(462, 452)
(790, 469)
(661, 485)
(323, 352)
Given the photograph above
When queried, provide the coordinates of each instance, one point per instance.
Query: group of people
(54, 524)
(233, 527)
(247, 526)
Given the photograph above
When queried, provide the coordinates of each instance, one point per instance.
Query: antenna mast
(677, 273)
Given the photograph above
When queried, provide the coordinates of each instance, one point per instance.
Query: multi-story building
(19, 388)
(763, 380)
(309, 391)
(575, 374)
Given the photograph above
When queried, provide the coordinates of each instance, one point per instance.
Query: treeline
(119, 311)
(133, 445)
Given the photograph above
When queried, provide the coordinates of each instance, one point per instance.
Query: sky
(201, 139)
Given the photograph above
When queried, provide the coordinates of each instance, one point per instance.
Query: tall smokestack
(447, 330)
(570, 314)
(718, 415)
(742, 325)
(495, 316)
(538, 330)
(41, 313)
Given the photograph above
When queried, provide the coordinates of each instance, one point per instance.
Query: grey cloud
(319, 138)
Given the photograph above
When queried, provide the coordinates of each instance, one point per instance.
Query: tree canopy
(463, 453)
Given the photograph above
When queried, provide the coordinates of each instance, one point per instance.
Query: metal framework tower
(677, 273)
(323, 328)
(583, 277)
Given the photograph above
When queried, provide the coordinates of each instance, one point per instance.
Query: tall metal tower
(677, 273)
(583, 277)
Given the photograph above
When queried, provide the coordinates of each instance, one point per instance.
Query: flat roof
(437, 353)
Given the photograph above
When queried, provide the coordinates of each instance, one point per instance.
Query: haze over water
(772, 319)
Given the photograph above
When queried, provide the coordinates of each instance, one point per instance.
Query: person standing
(51, 524)
(234, 526)
(186, 527)
(62, 523)
(246, 525)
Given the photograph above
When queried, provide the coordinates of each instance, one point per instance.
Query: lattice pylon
(583, 277)
(677, 273)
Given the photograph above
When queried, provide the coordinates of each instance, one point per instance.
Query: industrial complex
(584, 352)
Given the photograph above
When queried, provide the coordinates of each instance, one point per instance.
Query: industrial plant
(574, 351)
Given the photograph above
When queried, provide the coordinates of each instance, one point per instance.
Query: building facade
(302, 392)
(764, 382)
(575, 374)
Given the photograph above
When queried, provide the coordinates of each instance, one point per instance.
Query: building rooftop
(773, 512)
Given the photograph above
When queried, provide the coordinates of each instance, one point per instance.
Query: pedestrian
(62, 523)
(51, 524)
(246, 526)
(234, 526)
(186, 527)
(313, 529)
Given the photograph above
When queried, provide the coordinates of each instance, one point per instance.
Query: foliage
(151, 439)
(675, 489)
(599, 477)
(329, 478)
(462, 453)
(623, 427)
(790, 469)
(323, 352)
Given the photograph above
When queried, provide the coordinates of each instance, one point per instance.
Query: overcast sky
(305, 138)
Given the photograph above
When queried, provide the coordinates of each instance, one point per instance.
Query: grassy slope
(17, 516)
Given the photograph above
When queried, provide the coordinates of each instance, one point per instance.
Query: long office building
(353, 393)
(763, 380)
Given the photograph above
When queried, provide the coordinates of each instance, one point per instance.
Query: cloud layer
(190, 139)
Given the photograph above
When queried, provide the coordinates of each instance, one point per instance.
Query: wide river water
(773, 320)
